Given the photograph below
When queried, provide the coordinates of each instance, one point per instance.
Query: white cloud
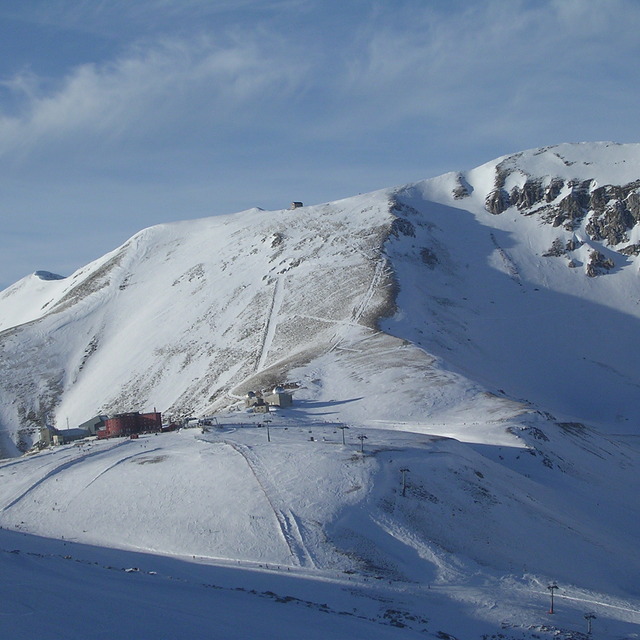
(129, 113)
(154, 85)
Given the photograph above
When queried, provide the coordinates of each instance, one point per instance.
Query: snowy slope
(183, 314)
(185, 317)
(475, 330)
(29, 298)
(319, 526)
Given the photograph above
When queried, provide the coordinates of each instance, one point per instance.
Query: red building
(126, 424)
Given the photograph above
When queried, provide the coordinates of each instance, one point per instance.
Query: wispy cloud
(153, 85)
(489, 66)
(467, 69)
(122, 114)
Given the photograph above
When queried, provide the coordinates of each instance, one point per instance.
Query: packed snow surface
(305, 530)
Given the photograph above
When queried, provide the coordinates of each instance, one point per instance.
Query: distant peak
(47, 275)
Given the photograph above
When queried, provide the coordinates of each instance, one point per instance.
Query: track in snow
(287, 520)
(358, 312)
(58, 469)
(272, 322)
(119, 462)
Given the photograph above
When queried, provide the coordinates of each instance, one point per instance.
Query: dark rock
(428, 257)
(528, 195)
(633, 205)
(598, 264)
(573, 207)
(403, 227)
(460, 192)
(599, 199)
(630, 250)
(573, 244)
(463, 190)
(556, 250)
(612, 224)
(497, 201)
(553, 190)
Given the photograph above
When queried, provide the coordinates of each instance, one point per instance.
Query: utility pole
(404, 481)
(342, 428)
(552, 588)
(266, 422)
(362, 438)
(589, 617)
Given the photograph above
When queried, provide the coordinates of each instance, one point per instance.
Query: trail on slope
(272, 323)
(58, 469)
(287, 520)
(359, 311)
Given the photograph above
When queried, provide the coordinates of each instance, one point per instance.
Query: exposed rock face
(553, 190)
(556, 250)
(530, 194)
(402, 227)
(428, 257)
(497, 201)
(571, 210)
(631, 250)
(463, 188)
(598, 264)
(615, 211)
(605, 213)
(573, 244)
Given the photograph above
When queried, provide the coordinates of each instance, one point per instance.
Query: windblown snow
(463, 434)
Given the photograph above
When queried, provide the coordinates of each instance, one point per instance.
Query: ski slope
(303, 524)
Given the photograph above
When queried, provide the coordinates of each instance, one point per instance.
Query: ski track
(272, 322)
(119, 462)
(508, 262)
(58, 469)
(364, 303)
(598, 603)
(375, 280)
(287, 520)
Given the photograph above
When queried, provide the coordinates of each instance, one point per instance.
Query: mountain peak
(477, 280)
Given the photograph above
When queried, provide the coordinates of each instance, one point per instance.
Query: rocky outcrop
(572, 209)
(402, 227)
(463, 189)
(606, 213)
(573, 244)
(630, 250)
(525, 197)
(598, 264)
(497, 201)
(556, 250)
(428, 257)
(612, 225)
(616, 210)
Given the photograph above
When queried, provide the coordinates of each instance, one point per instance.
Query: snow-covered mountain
(475, 330)
(410, 303)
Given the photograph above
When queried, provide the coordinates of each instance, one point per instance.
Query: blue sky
(119, 114)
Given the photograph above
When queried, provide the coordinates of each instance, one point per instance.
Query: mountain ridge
(463, 435)
(239, 301)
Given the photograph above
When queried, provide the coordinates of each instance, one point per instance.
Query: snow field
(316, 521)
